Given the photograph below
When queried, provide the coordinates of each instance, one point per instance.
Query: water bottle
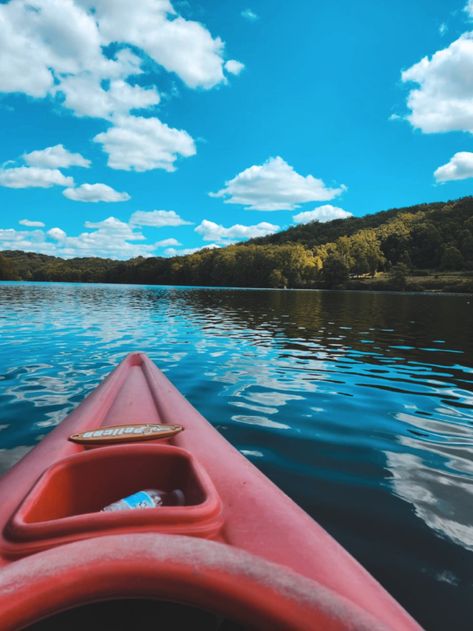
(149, 498)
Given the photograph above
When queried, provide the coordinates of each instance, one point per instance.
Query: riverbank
(425, 282)
(428, 281)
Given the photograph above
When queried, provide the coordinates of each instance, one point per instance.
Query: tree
(277, 279)
(335, 270)
(426, 242)
(398, 276)
(466, 245)
(452, 259)
(7, 269)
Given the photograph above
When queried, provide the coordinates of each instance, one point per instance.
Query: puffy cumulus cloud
(110, 238)
(141, 144)
(234, 67)
(444, 99)
(181, 46)
(95, 193)
(54, 158)
(173, 252)
(28, 240)
(165, 243)
(157, 218)
(61, 49)
(58, 47)
(459, 167)
(31, 224)
(212, 231)
(33, 177)
(322, 214)
(57, 234)
(275, 185)
(249, 15)
(44, 39)
(85, 95)
(116, 227)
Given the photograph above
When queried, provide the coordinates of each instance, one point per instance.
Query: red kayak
(236, 552)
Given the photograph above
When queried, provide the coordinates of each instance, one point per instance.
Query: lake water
(358, 405)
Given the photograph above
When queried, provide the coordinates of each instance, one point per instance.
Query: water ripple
(360, 406)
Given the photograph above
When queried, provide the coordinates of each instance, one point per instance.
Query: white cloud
(56, 47)
(61, 49)
(249, 15)
(28, 240)
(33, 177)
(322, 214)
(141, 144)
(211, 231)
(443, 28)
(85, 96)
(95, 193)
(54, 158)
(165, 243)
(41, 39)
(157, 218)
(275, 185)
(186, 251)
(234, 67)
(181, 46)
(111, 238)
(31, 224)
(444, 99)
(57, 234)
(460, 167)
(115, 226)
(469, 8)
(108, 240)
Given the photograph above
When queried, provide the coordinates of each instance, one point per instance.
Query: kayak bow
(239, 547)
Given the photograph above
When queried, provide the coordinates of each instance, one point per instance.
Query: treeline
(401, 241)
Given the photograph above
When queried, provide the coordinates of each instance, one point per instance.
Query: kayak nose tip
(136, 358)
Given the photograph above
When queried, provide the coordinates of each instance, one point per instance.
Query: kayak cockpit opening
(132, 614)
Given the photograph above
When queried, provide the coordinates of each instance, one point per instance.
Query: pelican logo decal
(125, 433)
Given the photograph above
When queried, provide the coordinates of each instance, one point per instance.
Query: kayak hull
(235, 509)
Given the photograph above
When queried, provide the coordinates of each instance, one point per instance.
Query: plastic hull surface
(240, 533)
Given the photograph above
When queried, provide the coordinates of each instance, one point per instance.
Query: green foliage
(427, 237)
(398, 276)
(426, 242)
(451, 259)
(335, 271)
(7, 269)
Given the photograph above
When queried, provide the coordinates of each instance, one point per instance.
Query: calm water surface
(358, 405)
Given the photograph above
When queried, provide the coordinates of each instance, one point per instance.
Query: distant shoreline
(432, 283)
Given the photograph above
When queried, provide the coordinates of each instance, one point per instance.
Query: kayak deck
(51, 502)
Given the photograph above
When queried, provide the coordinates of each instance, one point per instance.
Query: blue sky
(157, 128)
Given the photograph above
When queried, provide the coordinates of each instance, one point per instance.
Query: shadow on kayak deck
(127, 615)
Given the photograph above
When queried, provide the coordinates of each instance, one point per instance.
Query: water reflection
(444, 502)
(359, 405)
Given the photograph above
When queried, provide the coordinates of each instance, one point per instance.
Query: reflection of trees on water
(440, 491)
(416, 319)
(374, 324)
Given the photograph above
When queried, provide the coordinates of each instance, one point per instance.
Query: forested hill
(386, 250)
(315, 233)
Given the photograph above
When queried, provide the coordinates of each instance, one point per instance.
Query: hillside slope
(390, 246)
(315, 233)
